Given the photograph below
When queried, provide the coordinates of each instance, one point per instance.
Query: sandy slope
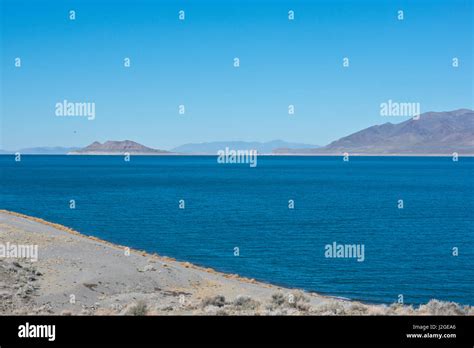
(104, 280)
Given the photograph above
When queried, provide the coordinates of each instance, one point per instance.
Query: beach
(81, 275)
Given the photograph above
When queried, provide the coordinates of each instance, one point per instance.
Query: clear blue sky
(173, 62)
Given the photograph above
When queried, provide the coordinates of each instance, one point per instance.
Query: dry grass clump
(435, 307)
(296, 300)
(278, 299)
(358, 308)
(218, 301)
(329, 308)
(299, 301)
(140, 308)
(222, 312)
(245, 303)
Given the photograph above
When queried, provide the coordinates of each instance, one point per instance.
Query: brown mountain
(433, 133)
(118, 148)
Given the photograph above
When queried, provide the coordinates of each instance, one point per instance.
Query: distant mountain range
(45, 150)
(433, 133)
(53, 150)
(118, 148)
(211, 148)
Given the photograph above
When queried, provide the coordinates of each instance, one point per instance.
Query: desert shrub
(435, 307)
(221, 312)
(140, 308)
(293, 300)
(218, 301)
(278, 299)
(329, 308)
(298, 301)
(357, 308)
(246, 303)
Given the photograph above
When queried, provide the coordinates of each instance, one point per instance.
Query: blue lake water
(407, 251)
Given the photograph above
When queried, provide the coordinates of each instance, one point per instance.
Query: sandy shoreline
(77, 274)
